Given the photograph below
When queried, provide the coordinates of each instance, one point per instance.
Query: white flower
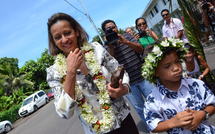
(60, 64)
(151, 58)
(165, 43)
(156, 50)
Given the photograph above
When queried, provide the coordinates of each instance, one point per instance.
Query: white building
(152, 13)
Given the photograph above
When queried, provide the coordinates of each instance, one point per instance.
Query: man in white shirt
(172, 27)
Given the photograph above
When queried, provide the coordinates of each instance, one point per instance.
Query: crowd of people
(162, 79)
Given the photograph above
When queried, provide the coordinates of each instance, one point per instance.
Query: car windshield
(50, 91)
(27, 101)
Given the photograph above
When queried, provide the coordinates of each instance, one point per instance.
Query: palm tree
(10, 80)
(191, 25)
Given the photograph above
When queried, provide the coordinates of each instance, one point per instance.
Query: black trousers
(128, 126)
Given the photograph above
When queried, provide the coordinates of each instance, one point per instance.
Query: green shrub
(43, 85)
(10, 114)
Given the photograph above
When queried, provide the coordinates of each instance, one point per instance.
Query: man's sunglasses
(140, 24)
(111, 27)
(163, 15)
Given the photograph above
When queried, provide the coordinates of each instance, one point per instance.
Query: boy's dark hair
(170, 50)
(164, 10)
(105, 22)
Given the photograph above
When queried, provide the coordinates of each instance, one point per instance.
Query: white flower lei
(108, 120)
(153, 58)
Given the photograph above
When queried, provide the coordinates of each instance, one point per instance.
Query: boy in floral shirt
(179, 105)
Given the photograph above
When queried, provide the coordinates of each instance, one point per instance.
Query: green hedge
(10, 114)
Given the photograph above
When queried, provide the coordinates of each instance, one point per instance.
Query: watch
(207, 115)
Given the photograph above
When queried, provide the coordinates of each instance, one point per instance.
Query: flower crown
(154, 57)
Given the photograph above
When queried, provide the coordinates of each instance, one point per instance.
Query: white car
(33, 102)
(5, 126)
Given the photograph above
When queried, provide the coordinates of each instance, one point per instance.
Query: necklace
(107, 120)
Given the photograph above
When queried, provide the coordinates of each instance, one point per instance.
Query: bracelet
(207, 115)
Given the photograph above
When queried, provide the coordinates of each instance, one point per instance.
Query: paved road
(46, 121)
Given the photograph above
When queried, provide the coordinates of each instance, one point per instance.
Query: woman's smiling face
(64, 36)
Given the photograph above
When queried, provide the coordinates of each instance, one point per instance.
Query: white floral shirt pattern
(65, 105)
(163, 104)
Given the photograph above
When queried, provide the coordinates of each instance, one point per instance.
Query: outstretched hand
(74, 60)
(117, 92)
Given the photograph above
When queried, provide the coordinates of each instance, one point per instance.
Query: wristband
(207, 115)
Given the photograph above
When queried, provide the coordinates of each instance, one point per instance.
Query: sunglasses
(163, 15)
(140, 24)
(111, 27)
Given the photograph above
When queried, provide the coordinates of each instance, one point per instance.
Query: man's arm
(136, 46)
(180, 34)
(180, 28)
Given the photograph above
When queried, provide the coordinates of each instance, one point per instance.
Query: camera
(205, 4)
(111, 36)
(142, 33)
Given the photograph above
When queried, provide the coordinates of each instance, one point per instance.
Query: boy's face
(169, 69)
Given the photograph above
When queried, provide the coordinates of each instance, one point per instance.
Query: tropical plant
(192, 29)
(191, 25)
(9, 78)
(14, 99)
(35, 71)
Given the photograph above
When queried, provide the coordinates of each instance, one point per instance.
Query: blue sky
(23, 29)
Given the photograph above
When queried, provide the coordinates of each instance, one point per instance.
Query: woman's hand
(74, 60)
(118, 92)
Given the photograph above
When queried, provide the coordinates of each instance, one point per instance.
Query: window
(156, 9)
(152, 14)
(165, 2)
(41, 94)
(35, 97)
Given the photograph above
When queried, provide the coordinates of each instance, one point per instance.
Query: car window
(27, 101)
(35, 97)
(41, 94)
(50, 91)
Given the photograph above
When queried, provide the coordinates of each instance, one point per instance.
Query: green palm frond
(192, 29)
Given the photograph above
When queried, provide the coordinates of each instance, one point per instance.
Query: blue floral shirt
(163, 104)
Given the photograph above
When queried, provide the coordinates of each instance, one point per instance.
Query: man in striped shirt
(126, 50)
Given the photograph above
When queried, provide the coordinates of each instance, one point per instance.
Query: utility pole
(88, 16)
